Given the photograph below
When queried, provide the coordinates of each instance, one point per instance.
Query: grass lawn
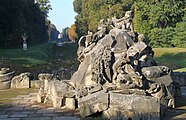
(174, 58)
(35, 55)
(67, 53)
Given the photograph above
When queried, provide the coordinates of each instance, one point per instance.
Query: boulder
(135, 107)
(93, 103)
(70, 103)
(21, 81)
(152, 72)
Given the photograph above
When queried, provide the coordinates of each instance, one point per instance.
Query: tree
(44, 6)
(179, 38)
(17, 17)
(156, 19)
(72, 32)
(90, 12)
(64, 34)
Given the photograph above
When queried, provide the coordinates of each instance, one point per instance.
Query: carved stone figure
(80, 51)
(100, 34)
(102, 27)
(124, 23)
(88, 38)
(119, 63)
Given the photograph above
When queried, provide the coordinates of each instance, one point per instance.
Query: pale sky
(62, 14)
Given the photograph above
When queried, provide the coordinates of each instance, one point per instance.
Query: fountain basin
(5, 80)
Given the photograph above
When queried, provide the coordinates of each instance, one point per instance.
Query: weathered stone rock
(122, 40)
(55, 92)
(133, 107)
(81, 91)
(36, 83)
(41, 96)
(93, 103)
(94, 89)
(45, 76)
(152, 72)
(109, 87)
(165, 79)
(70, 103)
(129, 91)
(57, 101)
(78, 76)
(59, 88)
(106, 41)
(21, 81)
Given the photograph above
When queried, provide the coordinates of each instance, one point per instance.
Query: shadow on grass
(172, 60)
(27, 62)
(181, 103)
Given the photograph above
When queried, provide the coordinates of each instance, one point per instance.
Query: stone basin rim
(6, 74)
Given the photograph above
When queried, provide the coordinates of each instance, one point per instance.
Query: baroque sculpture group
(117, 76)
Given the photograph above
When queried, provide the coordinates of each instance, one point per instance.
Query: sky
(62, 14)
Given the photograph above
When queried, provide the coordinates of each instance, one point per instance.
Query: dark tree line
(20, 16)
(162, 21)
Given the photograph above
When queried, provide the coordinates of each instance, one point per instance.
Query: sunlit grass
(174, 58)
(35, 55)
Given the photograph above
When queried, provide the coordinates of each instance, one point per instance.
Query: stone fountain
(117, 76)
(5, 78)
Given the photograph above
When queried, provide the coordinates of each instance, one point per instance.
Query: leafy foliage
(90, 12)
(161, 21)
(18, 17)
(72, 33)
(44, 6)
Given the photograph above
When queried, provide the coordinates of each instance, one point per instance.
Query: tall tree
(44, 6)
(72, 32)
(18, 17)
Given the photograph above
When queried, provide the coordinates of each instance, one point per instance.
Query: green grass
(35, 55)
(174, 58)
(181, 103)
(69, 54)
